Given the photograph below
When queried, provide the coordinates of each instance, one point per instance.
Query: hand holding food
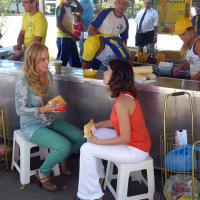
(47, 108)
(93, 140)
(59, 103)
(89, 129)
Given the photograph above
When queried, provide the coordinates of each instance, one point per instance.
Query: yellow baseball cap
(91, 46)
(181, 26)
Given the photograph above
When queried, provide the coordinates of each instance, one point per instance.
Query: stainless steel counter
(76, 75)
(89, 98)
(4, 52)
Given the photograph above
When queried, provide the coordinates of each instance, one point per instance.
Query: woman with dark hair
(128, 142)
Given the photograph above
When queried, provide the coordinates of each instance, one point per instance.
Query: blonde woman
(37, 120)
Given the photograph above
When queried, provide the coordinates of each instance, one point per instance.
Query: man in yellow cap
(191, 44)
(34, 28)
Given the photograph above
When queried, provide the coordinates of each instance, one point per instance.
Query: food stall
(89, 98)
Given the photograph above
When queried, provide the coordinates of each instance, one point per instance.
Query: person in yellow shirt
(34, 28)
(66, 40)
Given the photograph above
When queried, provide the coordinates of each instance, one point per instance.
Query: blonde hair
(185, 46)
(31, 60)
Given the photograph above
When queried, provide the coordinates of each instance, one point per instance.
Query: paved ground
(10, 186)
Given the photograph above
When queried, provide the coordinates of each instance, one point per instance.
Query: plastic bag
(180, 158)
(180, 185)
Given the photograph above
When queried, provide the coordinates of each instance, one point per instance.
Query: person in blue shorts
(66, 41)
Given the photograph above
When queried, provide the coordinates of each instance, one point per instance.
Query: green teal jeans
(62, 139)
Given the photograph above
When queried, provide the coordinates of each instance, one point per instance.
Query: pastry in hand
(62, 105)
(58, 100)
(87, 129)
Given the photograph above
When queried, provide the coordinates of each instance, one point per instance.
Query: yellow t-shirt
(64, 14)
(35, 25)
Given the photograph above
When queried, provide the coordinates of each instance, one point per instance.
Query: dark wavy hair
(122, 79)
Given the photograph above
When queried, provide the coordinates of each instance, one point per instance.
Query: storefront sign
(169, 12)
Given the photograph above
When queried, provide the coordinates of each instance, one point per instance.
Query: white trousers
(91, 166)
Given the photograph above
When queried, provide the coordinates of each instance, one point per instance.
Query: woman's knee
(85, 148)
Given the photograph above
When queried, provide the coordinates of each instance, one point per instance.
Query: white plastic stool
(24, 147)
(124, 171)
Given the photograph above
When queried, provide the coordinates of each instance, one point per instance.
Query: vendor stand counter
(5, 52)
(89, 98)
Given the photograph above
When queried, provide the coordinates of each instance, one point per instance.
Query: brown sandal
(65, 170)
(46, 183)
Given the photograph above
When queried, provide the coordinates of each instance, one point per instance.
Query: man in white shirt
(147, 23)
(111, 21)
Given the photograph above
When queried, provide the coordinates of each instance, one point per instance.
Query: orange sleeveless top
(139, 133)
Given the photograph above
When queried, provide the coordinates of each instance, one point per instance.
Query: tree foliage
(139, 5)
(4, 6)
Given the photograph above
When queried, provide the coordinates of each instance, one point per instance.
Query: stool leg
(151, 181)
(13, 153)
(109, 174)
(122, 184)
(106, 178)
(56, 170)
(24, 165)
(17, 152)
